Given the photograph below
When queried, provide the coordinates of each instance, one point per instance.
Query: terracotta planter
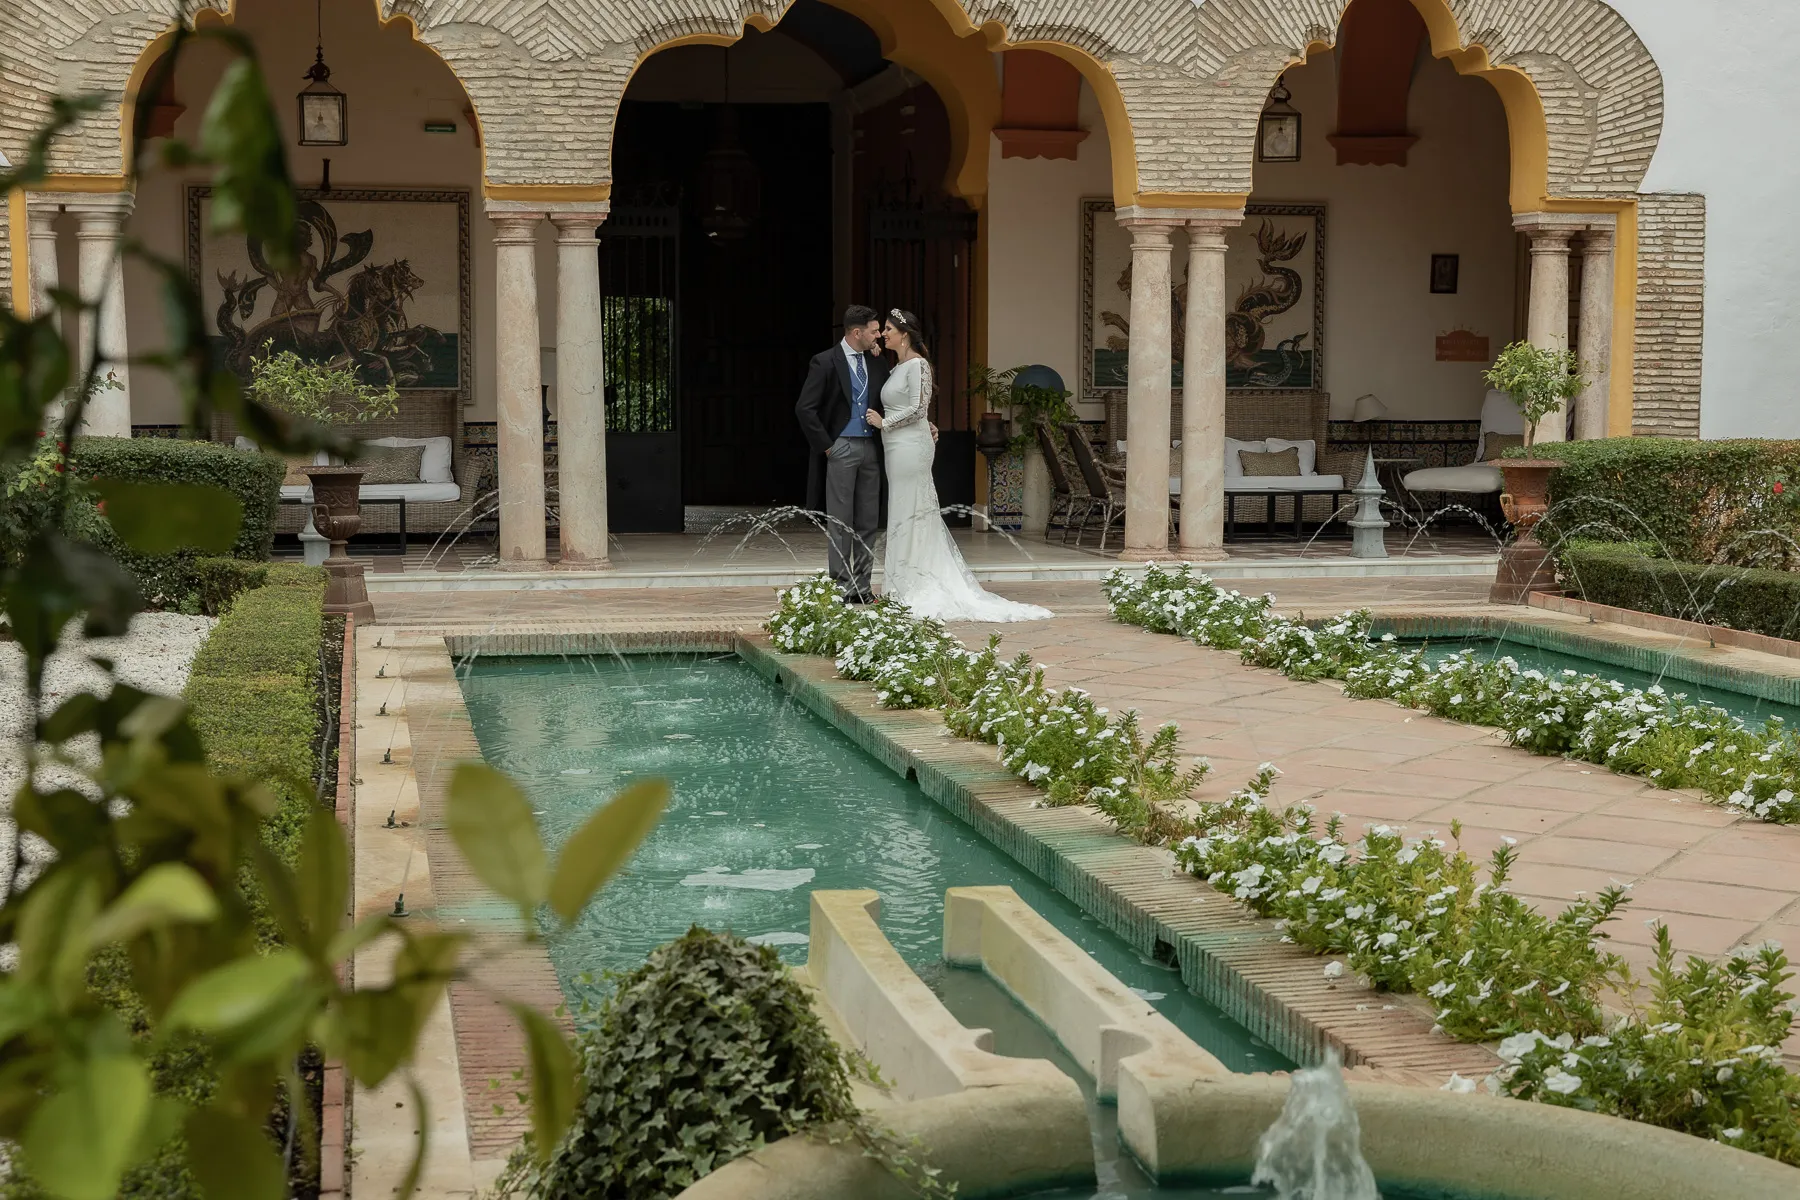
(337, 515)
(1525, 565)
(1525, 497)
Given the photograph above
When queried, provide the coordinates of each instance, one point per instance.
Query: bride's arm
(915, 399)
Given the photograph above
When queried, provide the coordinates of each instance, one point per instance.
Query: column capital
(515, 228)
(100, 213)
(578, 228)
(1597, 241)
(1214, 221)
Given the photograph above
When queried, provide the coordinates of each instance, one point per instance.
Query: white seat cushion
(1234, 466)
(412, 493)
(1499, 414)
(1286, 483)
(1476, 478)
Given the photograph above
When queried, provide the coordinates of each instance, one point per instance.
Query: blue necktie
(862, 381)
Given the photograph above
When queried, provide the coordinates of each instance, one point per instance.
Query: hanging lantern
(1278, 132)
(730, 185)
(324, 111)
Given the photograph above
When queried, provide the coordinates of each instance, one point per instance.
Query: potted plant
(1025, 396)
(1539, 382)
(327, 394)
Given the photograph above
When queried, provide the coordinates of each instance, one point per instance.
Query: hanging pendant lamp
(730, 184)
(324, 111)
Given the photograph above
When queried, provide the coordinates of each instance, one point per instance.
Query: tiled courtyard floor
(1717, 880)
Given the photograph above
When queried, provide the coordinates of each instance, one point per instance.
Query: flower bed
(1409, 915)
(1664, 737)
(1625, 575)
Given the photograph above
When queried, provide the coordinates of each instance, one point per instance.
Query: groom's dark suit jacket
(824, 409)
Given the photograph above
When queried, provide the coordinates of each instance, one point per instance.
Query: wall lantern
(324, 111)
(730, 184)
(1278, 135)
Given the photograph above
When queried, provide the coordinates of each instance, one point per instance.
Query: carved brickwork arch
(1583, 95)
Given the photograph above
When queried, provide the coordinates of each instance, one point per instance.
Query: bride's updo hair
(908, 324)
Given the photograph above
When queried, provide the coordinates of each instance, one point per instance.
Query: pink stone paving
(1718, 880)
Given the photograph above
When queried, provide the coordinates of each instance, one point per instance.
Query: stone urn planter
(1525, 565)
(337, 515)
(994, 437)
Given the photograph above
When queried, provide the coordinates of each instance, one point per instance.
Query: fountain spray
(1313, 1151)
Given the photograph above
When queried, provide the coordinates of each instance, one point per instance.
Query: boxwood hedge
(1630, 575)
(1724, 503)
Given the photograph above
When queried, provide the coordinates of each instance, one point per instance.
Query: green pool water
(1751, 709)
(770, 802)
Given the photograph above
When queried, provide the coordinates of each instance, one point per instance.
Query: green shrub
(705, 1053)
(1703, 502)
(253, 693)
(255, 479)
(1624, 576)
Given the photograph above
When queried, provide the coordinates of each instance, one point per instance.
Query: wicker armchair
(1062, 492)
(1105, 485)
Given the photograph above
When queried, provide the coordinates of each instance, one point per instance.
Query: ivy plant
(157, 853)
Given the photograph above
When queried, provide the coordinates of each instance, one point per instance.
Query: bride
(924, 570)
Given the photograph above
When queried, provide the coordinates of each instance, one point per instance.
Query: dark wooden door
(753, 311)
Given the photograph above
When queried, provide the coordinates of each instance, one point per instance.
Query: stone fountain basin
(1012, 1127)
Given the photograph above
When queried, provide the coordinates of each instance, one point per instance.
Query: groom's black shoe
(858, 598)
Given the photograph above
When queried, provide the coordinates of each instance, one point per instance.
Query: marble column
(1547, 323)
(40, 215)
(1595, 332)
(101, 222)
(580, 391)
(1203, 391)
(518, 368)
(1147, 389)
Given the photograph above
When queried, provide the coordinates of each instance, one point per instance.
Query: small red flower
(101, 507)
(1778, 489)
(59, 468)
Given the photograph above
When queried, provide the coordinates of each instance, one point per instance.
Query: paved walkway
(1718, 880)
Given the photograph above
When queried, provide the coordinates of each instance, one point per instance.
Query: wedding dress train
(923, 569)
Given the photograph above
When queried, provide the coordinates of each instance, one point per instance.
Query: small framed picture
(1278, 138)
(1443, 274)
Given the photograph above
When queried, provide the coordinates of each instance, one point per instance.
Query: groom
(843, 386)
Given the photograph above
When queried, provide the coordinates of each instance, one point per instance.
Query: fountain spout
(1313, 1151)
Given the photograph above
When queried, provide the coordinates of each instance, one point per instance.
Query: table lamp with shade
(1368, 408)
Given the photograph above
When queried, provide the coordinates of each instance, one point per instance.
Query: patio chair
(1105, 486)
(1062, 493)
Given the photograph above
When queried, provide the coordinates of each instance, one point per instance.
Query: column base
(524, 564)
(1202, 553)
(1146, 554)
(582, 564)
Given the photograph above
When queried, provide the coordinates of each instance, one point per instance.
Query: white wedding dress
(924, 570)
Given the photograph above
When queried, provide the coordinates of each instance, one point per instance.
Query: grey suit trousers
(853, 509)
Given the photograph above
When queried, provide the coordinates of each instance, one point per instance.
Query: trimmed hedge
(253, 693)
(255, 479)
(1697, 502)
(1625, 575)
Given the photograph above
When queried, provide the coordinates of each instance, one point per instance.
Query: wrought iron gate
(640, 285)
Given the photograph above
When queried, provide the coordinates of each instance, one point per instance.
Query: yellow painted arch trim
(548, 192)
(18, 237)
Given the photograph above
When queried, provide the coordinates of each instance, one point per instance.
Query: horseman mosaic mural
(380, 286)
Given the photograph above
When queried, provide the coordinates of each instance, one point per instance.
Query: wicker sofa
(1295, 417)
(439, 508)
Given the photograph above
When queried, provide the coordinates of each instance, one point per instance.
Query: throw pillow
(1277, 463)
(1309, 453)
(391, 464)
(1233, 468)
(1496, 444)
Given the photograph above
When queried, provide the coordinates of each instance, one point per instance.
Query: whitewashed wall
(1730, 131)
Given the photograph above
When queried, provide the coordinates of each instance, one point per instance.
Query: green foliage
(1412, 915)
(705, 1053)
(1623, 575)
(1704, 1056)
(1537, 379)
(254, 479)
(317, 391)
(1719, 503)
(1061, 741)
(179, 956)
(1026, 404)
